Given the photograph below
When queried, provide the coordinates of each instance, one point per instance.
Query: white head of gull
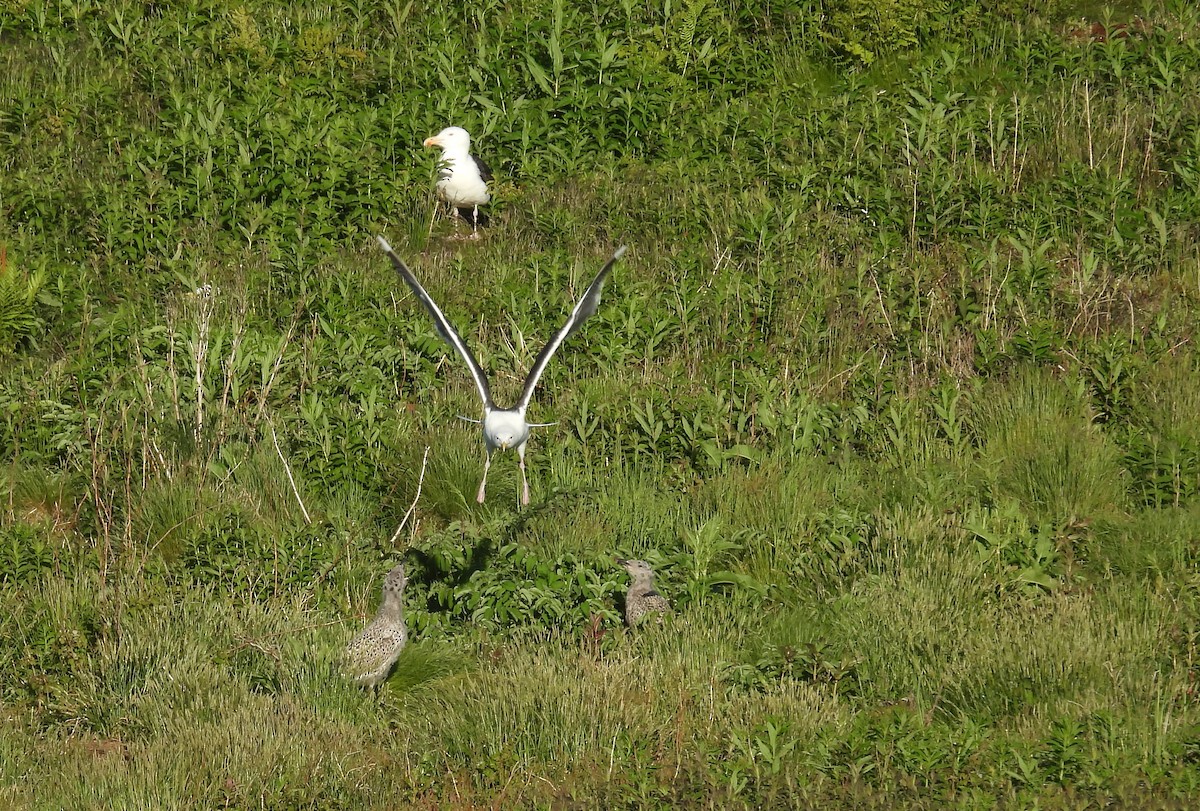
(463, 178)
(505, 428)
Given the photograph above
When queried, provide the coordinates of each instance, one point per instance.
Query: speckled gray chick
(642, 599)
(370, 656)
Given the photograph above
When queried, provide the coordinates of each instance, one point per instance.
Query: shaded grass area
(895, 388)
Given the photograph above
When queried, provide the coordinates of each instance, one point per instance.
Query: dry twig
(288, 469)
(413, 506)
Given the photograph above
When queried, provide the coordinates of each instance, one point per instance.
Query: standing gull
(506, 428)
(369, 657)
(642, 599)
(463, 177)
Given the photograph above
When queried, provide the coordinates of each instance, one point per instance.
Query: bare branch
(288, 469)
(413, 506)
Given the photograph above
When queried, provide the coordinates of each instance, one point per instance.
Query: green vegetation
(896, 388)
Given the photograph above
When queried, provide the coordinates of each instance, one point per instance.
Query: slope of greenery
(895, 387)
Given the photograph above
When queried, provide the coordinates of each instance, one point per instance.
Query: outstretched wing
(444, 328)
(583, 310)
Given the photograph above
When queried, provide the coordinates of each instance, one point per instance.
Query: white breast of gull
(463, 178)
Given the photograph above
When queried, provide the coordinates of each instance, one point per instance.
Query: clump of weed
(1042, 447)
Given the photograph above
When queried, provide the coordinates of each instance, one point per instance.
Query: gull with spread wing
(505, 428)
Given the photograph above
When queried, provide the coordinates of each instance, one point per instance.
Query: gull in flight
(505, 428)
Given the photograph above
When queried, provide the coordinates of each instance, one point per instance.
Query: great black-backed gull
(505, 428)
(464, 177)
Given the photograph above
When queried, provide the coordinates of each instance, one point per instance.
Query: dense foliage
(895, 387)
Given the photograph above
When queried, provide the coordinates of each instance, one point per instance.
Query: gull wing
(583, 310)
(444, 328)
(485, 171)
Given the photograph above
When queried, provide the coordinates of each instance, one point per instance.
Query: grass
(895, 388)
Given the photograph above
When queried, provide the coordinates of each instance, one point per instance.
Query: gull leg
(524, 481)
(487, 463)
(475, 223)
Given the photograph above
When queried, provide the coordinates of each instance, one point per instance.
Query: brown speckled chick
(370, 655)
(642, 599)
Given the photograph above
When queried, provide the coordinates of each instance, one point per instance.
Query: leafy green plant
(514, 588)
(1031, 554)
(862, 33)
(19, 321)
(1063, 754)
(777, 666)
(236, 554)
(764, 751)
(24, 553)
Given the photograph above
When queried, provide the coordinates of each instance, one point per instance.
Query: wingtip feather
(383, 243)
(619, 252)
